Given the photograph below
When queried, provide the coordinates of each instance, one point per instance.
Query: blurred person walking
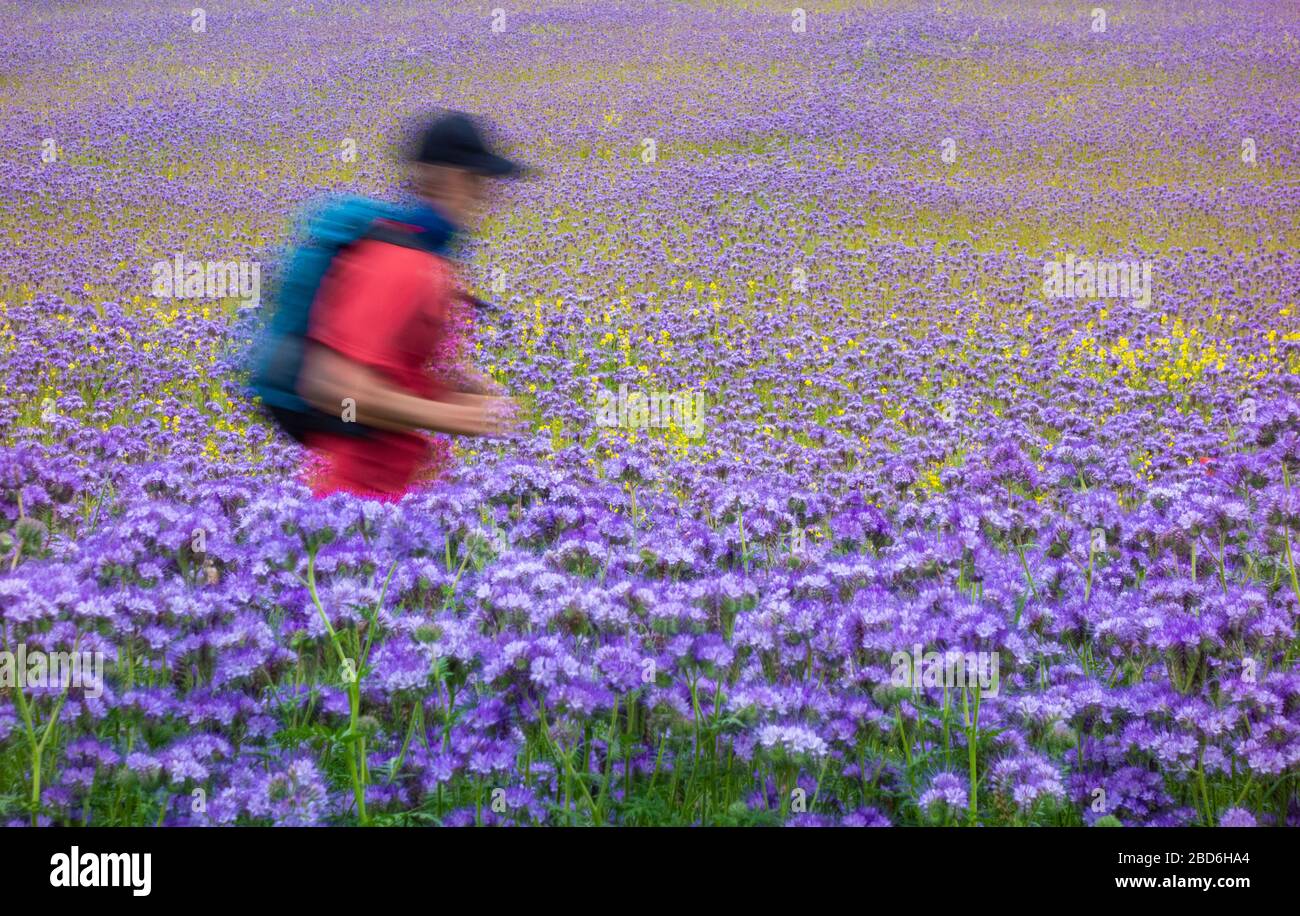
(366, 348)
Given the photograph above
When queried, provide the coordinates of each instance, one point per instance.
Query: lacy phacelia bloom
(945, 789)
(793, 739)
(1237, 817)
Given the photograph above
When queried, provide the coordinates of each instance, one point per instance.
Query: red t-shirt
(388, 308)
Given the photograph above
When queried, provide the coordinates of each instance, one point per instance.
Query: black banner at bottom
(340, 865)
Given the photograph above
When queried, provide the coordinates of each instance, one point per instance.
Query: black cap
(452, 138)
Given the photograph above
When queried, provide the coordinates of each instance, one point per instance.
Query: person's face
(459, 193)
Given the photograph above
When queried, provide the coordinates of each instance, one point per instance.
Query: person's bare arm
(328, 378)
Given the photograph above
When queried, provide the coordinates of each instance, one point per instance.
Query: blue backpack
(276, 357)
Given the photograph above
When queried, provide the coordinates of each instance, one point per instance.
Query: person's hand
(497, 417)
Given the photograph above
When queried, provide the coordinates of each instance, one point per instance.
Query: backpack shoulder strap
(382, 230)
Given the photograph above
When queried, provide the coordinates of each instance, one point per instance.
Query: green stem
(1029, 577)
(355, 752)
(1223, 569)
(972, 741)
(37, 748)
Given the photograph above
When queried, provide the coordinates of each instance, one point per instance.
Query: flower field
(835, 232)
